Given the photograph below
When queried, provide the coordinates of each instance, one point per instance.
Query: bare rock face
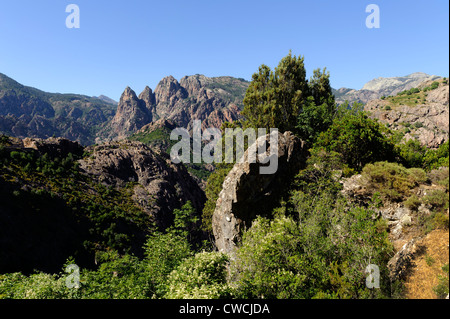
(427, 122)
(131, 115)
(399, 264)
(379, 87)
(246, 193)
(159, 186)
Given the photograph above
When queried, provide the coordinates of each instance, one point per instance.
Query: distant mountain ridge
(381, 86)
(29, 112)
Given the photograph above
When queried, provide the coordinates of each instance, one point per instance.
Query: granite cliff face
(132, 114)
(197, 97)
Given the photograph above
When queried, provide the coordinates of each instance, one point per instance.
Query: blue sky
(136, 43)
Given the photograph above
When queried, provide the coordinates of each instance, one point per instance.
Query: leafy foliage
(359, 139)
(202, 276)
(322, 253)
(284, 99)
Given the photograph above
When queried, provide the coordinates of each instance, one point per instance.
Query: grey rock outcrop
(159, 186)
(399, 264)
(246, 193)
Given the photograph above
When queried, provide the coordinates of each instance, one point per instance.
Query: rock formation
(54, 147)
(246, 193)
(159, 186)
(196, 97)
(29, 112)
(428, 121)
(131, 115)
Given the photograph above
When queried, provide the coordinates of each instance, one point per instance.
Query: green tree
(284, 99)
(434, 159)
(319, 109)
(411, 153)
(359, 139)
(275, 98)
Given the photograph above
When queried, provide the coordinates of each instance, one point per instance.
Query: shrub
(359, 139)
(434, 159)
(442, 289)
(202, 276)
(392, 180)
(413, 202)
(437, 198)
(320, 253)
(418, 124)
(440, 220)
(411, 153)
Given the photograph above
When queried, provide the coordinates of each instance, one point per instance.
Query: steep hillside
(420, 113)
(29, 112)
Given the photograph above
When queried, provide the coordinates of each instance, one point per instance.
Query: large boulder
(247, 193)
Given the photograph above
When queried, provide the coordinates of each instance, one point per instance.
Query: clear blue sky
(136, 43)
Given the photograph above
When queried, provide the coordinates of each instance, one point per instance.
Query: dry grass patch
(427, 266)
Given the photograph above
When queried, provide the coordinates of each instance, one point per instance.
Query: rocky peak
(193, 83)
(148, 97)
(131, 115)
(128, 94)
(168, 90)
(383, 86)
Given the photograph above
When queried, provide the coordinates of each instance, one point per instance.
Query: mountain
(379, 87)
(29, 112)
(106, 99)
(211, 100)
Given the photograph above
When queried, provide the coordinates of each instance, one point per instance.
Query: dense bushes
(320, 252)
(202, 276)
(358, 139)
